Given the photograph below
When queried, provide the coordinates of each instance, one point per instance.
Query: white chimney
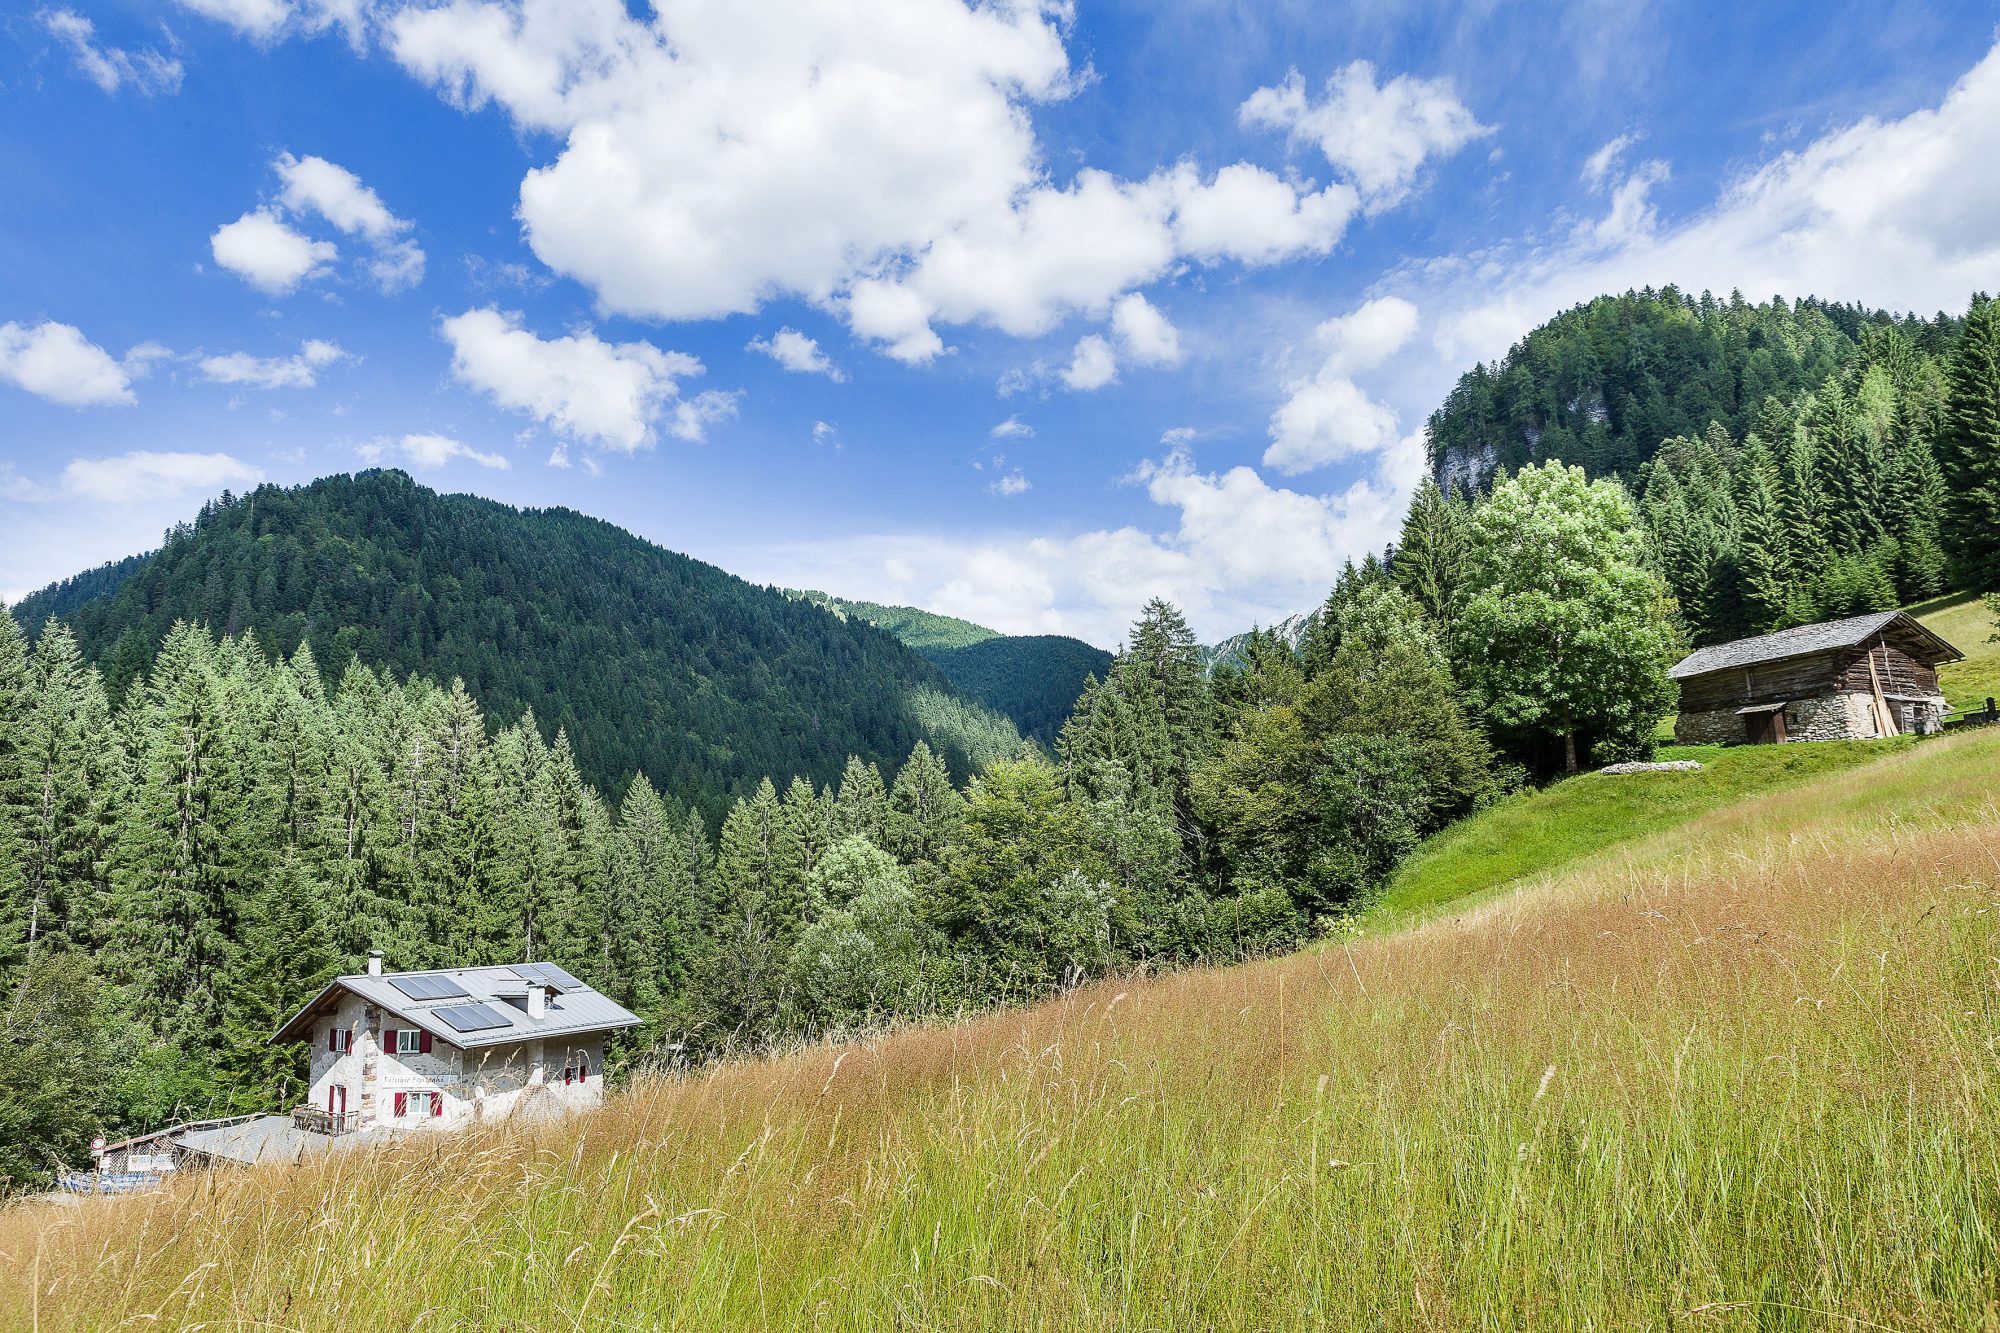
(374, 962)
(538, 1000)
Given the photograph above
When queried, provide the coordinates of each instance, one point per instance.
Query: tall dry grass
(1741, 1076)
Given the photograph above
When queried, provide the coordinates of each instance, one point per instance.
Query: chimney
(374, 962)
(538, 1000)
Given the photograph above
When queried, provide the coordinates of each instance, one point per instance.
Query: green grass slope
(1964, 621)
(1739, 1079)
(1540, 832)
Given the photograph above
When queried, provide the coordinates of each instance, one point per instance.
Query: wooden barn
(1873, 675)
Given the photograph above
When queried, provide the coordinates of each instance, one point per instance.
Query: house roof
(1828, 636)
(571, 1009)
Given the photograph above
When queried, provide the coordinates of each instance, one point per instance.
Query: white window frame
(409, 1041)
(417, 1104)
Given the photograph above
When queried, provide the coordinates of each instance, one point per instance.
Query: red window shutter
(389, 1041)
(402, 1103)
(583, 1070)
(423, 1042)
(332, 1036)
(437, 1103)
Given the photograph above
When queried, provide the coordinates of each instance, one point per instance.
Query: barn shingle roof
(1828, 636)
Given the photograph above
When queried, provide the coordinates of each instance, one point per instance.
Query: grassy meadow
(1737, 1075)
(1964, 621)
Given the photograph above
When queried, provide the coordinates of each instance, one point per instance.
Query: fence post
(1992, 711)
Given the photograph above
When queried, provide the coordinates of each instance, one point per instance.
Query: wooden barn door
(1766, 728)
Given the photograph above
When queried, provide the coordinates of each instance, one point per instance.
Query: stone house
(435, 1049)
(1872, 675)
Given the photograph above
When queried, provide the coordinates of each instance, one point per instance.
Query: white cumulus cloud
(797, 353)
(109, 67)
(146, 475)
(1327, 416)
(300, 371)
(609, 395)
(886, 168)
(1145, 336)
(265, 252)
(1379, 135)
(313, 185)
(56, 362)
(434, 451)
(1093, 364)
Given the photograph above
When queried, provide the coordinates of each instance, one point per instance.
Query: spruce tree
(861, 810)
(17, 910)
(179, 878)
(68, 757)
(1969, 450)
(924, 808)
(1431, 554)
(285, 957)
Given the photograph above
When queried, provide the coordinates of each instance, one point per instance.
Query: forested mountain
(651, 662)
(918, 628)
(1233, 651)
(1601, 385)
(1034, 679)
(1792, 463)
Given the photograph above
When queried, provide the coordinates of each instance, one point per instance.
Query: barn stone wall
(1828, 717)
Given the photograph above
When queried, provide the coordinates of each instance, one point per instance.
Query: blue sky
(1022, 312)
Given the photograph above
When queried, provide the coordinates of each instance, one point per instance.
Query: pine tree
(286, 956)
(1969, 449)
(1769, 577)
(17, 907)
(1431, 554)
(811, 814)
(68, 757)
(861, 810)
(179, 879)
(924, 808)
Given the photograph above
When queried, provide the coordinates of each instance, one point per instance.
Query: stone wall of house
(1828, 717)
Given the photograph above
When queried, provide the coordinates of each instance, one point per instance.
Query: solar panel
(474, 1017)
(430, 986)
(548, 974)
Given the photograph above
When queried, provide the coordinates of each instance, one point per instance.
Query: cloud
(1145, 337)
(1093, 365)
(1236, 551)
(886, 168)
(144, 475)
(1013, 428)
(56, 362)
(1379, 135)
(609, 395)
(434, 451)
(274, 372)
(1013, 484)
(825, 432)
(110, 68)
(1891, 213)
(797, 353)
(267, 20)
(266, 253)
(1328, 417)
(313, 185)
(1597, 167)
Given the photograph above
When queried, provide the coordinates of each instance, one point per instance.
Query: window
(407, 1041)
(419, 1103)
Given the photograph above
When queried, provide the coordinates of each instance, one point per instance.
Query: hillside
(1604, 383)
(1738, 1077)
(1292, 630)
(651, 661)
(1032, 679)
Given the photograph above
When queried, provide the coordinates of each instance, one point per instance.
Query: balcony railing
(313, 1120)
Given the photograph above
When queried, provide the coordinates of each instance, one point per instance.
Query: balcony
(313, 1120)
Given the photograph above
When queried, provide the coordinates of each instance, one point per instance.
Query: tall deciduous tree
(1568, 634)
